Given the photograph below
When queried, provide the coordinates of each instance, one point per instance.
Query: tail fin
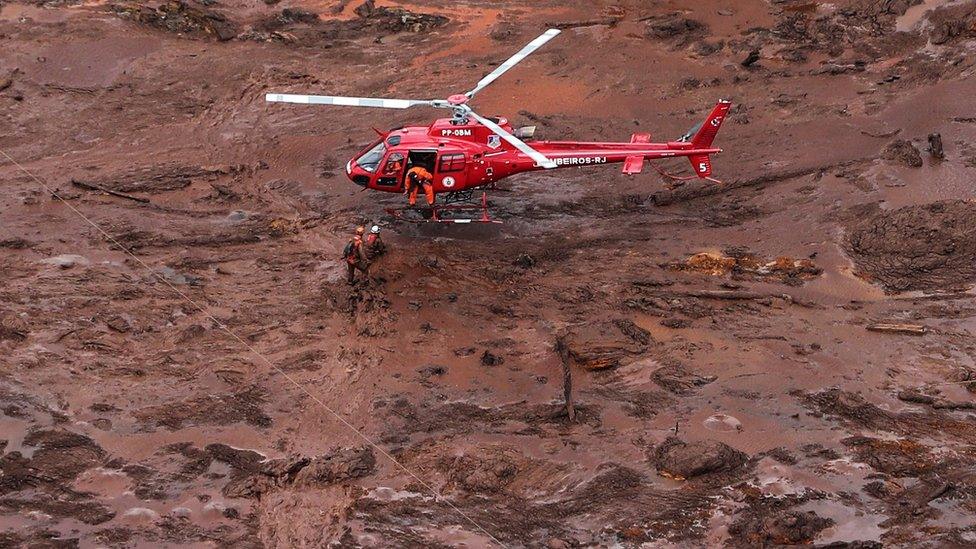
(706, 133)
(701, 164)
(702, 135)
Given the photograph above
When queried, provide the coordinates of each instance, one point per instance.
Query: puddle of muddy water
(14, 431)
(849, 524)
(914, 15)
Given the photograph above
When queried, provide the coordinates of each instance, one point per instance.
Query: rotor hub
(458, 99)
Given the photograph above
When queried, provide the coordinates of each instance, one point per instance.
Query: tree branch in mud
(608, 21)
(94, 187)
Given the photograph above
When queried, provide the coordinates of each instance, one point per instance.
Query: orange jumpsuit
(419, 177)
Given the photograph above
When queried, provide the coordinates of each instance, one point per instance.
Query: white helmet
(375, 229)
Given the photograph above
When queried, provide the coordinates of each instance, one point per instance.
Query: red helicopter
(469, 152)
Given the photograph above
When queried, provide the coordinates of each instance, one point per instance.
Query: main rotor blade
(539, 158)
(345, 101)
(514, 60)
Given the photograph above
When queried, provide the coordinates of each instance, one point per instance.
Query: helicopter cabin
(454, 154)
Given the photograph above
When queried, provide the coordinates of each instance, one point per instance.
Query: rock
(901, 151)
(66, 261)
(490, 359)
(338, 466)
(524, 261)
(674, 378)
(119, 324)
(680, 460)
(430, 371)
(597, 346)
(750, 59)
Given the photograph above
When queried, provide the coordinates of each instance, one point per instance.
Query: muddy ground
(726, 387)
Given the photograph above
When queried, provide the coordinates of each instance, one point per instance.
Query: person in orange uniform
(418, 177)
(394, 165)
(355, 256)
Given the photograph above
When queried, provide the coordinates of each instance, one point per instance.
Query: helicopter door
(391, 174)
(450, 170)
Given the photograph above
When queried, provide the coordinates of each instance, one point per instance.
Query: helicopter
(469, 152)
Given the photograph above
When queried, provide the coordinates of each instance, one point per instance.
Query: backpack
(347, 252)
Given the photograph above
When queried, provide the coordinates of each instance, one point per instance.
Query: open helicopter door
(390, 173)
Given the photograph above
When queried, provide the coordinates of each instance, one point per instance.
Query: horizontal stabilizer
(635, 164)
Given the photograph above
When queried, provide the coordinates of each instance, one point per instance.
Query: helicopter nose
(356, 174)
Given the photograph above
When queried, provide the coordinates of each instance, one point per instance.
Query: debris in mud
(338, 466)
(398, 19)
(743, 264)
(483, 473)
(903, 152)
(600, 346)
(62, 455)
(750, 59)
(952, 23)
(788, 527)
(911, 329)
(935, 146)
(898, 458)
(490, 359)
(13, 328)
(214, 409)
(178, 16)
(675, 27)
(7, 80)
(157, 178)
(674, 378)
(681, 460)
(920, 247)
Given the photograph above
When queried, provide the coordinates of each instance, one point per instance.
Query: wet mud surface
(713, 339)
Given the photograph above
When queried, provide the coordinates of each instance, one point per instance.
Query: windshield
(371, 158)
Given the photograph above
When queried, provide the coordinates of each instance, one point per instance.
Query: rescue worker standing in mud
(355, 256)
(375, 246)
(418, 177)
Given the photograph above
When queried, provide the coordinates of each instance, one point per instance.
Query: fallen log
(609, 22)
(910, 329)
(94, 187)
(742, 295)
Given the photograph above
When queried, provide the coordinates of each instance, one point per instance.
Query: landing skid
(455, 204)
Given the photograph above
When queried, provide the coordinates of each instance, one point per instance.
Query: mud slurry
(725, 388)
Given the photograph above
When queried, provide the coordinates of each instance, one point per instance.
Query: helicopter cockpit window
(371, 158)
(393, 164)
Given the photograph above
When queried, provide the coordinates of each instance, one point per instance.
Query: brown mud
(714, 341)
